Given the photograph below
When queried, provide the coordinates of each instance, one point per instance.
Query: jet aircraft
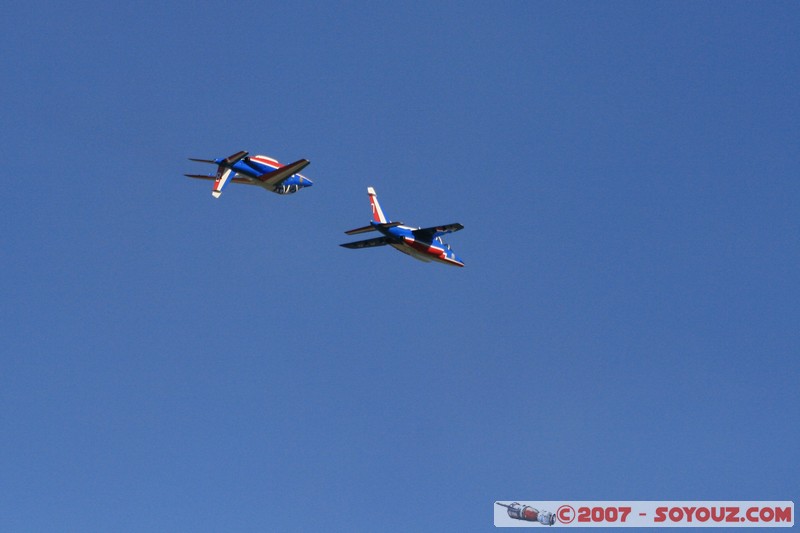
(424, 244)
(259, 170)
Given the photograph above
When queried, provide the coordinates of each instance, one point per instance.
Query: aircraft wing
(428, 234)
(214, 178)
(369, 243)
(275, 177)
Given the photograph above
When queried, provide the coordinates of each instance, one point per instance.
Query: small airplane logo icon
(259, 170)
(424, 244)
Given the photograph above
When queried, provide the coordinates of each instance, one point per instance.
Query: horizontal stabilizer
(235, 158)
(365, 229)
(428, 234)
(213, 178)
(230, 160)
(373, 227)
(275, 177)
(369, 243)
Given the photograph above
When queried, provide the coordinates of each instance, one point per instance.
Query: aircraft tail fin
(223, 175)
(225, 172)
(377, 213)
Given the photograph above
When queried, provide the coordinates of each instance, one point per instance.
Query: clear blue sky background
(627, 325)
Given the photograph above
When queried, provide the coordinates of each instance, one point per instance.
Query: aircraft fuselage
(402, 238)
(257, 165)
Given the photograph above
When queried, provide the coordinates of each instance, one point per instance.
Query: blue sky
(626, 326)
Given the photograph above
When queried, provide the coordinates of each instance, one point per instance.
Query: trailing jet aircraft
(259, 170)
(424, 244)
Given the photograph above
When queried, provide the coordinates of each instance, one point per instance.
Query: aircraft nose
(305, 182)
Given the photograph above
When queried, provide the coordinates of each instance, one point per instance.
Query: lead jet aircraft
(259, 170)
(424, 244)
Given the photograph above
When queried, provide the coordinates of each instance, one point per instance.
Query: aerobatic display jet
(259, 170)
(424, 244)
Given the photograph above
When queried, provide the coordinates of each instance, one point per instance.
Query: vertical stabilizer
(377, 213)
(223, 175)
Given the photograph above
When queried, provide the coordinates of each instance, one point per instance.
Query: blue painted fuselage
(402, 238)
(253, 167)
